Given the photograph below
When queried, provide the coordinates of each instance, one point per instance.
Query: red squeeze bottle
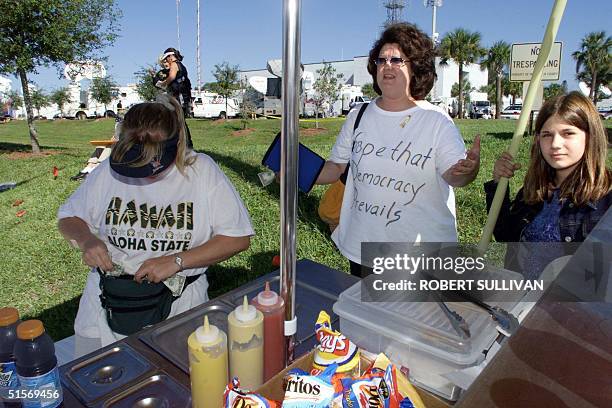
(273, 308)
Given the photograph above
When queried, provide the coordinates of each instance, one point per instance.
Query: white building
(5, 87)
(355, 72)
(448, 75)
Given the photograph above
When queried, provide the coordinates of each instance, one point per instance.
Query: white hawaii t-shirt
(140, 219)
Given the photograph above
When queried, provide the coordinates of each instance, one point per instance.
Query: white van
(350, 96)
(211, 105)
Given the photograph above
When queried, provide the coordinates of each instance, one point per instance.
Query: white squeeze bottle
(246, 338)
(207, 365)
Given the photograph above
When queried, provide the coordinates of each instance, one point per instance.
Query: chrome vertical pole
(289, 163)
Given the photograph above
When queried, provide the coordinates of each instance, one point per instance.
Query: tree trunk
(226, 113)
(594, 86)
(460, 113)
(29, 116)
(498, 96)
(316, 117)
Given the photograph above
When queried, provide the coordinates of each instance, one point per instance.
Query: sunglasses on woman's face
(394, 61)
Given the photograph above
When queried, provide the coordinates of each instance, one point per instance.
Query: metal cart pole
(289, 164)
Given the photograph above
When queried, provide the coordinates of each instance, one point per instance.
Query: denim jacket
(575, 223)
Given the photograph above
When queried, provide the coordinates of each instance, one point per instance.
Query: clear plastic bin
(418, 336)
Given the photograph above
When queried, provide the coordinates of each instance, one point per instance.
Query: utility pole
(435, 37)
(178, 26)
(434, 4)
(198, 50)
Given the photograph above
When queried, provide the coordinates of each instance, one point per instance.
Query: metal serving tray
(170, 338)
(92, 377)
(317, 288)
(309, 302)
(157, 391)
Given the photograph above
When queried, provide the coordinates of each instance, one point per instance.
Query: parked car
(511, 112)
(605, 113)
(480, 109)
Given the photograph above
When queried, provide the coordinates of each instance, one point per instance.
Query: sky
(247, 33)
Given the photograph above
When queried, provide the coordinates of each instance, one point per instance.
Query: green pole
(536, 78)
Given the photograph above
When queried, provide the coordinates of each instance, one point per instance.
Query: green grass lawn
(43, 277)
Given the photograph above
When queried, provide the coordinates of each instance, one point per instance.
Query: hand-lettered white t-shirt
(395, 191)
(139, 219)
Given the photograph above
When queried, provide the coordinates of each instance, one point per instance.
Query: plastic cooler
(417, 336)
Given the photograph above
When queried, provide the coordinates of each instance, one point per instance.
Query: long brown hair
(590, 180)
(149, 124)
(419, 50)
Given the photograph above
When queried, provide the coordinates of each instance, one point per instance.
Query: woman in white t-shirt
(154, 212)
(405, 156)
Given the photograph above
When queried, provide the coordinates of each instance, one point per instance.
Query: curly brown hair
(419, 50)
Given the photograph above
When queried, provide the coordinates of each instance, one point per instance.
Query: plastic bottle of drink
(9, 383)
(273, 308)
(245, 330)
(207, 365)
(37, 366)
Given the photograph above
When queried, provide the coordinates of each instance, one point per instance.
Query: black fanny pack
(131, 306)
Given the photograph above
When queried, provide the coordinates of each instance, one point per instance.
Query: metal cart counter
(126, 373)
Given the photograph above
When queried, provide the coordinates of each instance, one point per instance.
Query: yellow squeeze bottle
(207, 365)
(246, 338)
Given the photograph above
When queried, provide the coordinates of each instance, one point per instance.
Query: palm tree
(495, 61)
(513, 89)
(465, 91)
(463, 47)
(594, 56)
(555, 89)
(604, 77)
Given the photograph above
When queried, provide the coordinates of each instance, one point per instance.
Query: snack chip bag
(368, 390)
(379, 387)
(333, 347)
(234, 397)
(405, 392)
(309, 391)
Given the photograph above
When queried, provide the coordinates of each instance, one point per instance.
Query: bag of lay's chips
(234, 397)
(309, 391)
(333, 348)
